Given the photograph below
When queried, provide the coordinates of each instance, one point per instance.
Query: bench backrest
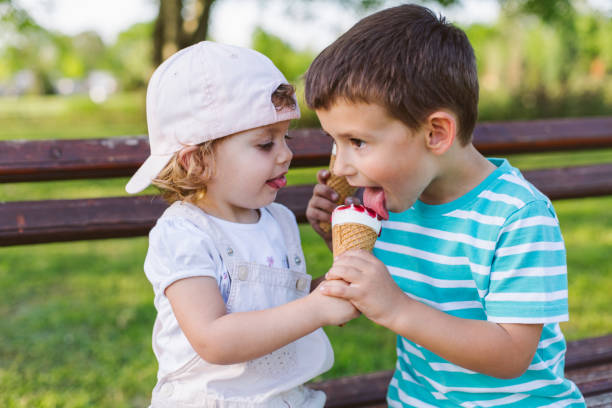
(28, 222)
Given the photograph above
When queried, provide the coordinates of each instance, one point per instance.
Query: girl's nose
(285, 155)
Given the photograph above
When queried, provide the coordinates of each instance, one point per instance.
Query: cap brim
(147, 172)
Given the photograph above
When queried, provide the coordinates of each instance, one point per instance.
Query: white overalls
(274, 380)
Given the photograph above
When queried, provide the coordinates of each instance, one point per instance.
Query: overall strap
(288, 226)
(187, 210)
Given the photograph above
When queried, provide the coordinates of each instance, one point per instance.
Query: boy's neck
(459, 173)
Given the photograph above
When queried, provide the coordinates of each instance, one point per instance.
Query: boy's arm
(499, 350)
(219, 338)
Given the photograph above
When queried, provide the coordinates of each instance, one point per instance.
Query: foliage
(553, 66)
(526, 70)
(131, 54)
(14, 18)
(290, 62)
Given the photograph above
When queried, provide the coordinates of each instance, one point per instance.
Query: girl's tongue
(374, 198)
(278, 182)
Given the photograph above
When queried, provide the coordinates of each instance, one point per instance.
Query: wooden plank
(592, 380)
(600, 401)
(573, 182)
(543, 135)
(68, 220)
(34, 222)
(586, 352)
(367, 390)
(44, 160)
(120, 157)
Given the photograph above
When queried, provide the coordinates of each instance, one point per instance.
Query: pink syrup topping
(359, 208)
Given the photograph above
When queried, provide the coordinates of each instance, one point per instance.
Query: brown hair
(176, 182)
(404, 58)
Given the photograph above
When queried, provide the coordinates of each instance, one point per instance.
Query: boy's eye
(357, 143)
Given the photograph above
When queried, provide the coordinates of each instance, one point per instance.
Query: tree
(184, 22)
(179, 23)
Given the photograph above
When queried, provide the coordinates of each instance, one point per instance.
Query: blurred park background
(76, 318)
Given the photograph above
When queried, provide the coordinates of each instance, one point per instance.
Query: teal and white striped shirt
(494, 254)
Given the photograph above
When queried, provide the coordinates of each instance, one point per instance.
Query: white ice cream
(356, 214)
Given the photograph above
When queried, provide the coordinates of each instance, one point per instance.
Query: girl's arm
(222, 338)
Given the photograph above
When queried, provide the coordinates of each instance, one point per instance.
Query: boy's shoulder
(510, 193)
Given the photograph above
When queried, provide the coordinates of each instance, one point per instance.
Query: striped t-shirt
(493, 254)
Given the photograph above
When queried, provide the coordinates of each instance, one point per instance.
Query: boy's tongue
(374, 198)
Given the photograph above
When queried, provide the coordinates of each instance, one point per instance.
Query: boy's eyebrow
(350, 135)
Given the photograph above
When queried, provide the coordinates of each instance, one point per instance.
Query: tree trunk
(171, 34)
(202, 31)
(168, 32)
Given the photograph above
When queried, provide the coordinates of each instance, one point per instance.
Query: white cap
(205, 92)
(356, 214)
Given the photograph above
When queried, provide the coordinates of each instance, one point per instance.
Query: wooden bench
(589, 361)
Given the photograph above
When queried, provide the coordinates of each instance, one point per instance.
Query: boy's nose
(341, 167)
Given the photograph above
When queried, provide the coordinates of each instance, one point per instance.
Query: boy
(470, 269)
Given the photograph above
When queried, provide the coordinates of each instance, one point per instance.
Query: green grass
(75, 117)
(76, 318)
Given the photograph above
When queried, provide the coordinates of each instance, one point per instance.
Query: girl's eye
(357, 143)
(288, 137)
(266, 146)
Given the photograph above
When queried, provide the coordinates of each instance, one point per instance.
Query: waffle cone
(352, 236)
(340, 186)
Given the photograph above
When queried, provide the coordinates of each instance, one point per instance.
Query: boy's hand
(370, 286)
(321, 205)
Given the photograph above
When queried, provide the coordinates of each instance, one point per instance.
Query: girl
(236, 324)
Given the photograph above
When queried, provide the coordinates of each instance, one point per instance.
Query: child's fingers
(323, 191)
(340, 291)
(359, 258)
(346, 273)
(355, 258)
(323, 176)
(315, 215)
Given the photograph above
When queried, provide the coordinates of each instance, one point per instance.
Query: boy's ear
(442, 128)
(184, 156)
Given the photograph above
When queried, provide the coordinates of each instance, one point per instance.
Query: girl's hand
(333, 310)
(370, 287)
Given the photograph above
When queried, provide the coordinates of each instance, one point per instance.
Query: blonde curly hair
(186, 179)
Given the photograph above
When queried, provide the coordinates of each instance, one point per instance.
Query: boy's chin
(393, 208)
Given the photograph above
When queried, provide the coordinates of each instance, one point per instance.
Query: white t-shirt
(179, 249)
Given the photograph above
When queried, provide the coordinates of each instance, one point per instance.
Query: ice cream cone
(354, 227)
(339, 185)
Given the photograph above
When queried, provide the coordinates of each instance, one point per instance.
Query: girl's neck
(227, 212)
